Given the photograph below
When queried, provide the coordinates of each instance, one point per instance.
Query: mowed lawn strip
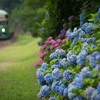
(17, 75)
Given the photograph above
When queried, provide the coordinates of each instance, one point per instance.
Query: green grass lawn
(17, 75)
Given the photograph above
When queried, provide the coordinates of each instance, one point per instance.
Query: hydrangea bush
(73, 73)
(48, 47)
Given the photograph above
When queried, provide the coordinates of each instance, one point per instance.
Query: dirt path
(5, 43)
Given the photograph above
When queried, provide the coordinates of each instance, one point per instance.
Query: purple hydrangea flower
(45, 90)
(57, 75)
(71, 18)
(67, 75)
(48, 78)
(89, 91)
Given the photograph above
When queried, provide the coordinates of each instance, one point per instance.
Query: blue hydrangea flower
(75, 41)
(57, 75)
(91, 40)
(63, 63)
(91, 60)
(44, 66)
(98, 88)
(40, 77)
(84, 47)
(78, 82)
(72, 59)
(81, 60)
(48, 78)
(86, 73)
(39, 73)
(55, 66)
(84, 26)
(67, 75)
(55, 86)
(98, 16)
(79, 97)
(89, 29)
(65, 92)
(45, 90)
(89, 91)
(81, 57)
(61, 89)
(81, 17)
(97, 68)
(60, 53)
(52, 98)
(95, 95)
(82, 34)
(77, 75)
(71, 94)
(68, 34)
(96, 55)
(53, 55)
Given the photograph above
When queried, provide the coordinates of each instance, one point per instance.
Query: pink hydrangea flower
(58, 40)
(51, 47)
(56, 45)
(36, 65)
(47, 42)
(63, 41)
(46, 52)
(41, 55)
(41, 61)
(49, 38)
(42, 47)
(53, 41)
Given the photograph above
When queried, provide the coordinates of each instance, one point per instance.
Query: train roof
(3, 15)
(2, 12)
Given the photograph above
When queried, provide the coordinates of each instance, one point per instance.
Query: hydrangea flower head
(61, 89)
(67, 75)
(65, 92)
(45, 90)
(63, 62)
(44, 66)
(48, 78)
(89, 91)
(55, 86)
(57, 75)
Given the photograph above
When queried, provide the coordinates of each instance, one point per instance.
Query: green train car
(4, 27)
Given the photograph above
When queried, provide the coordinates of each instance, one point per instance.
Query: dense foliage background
(45, 18)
